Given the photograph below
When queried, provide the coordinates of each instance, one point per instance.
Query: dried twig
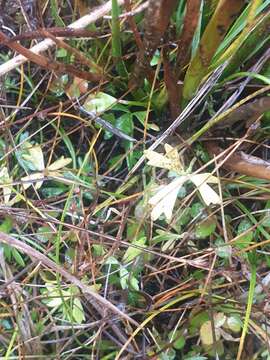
(47, 43)
(48, 63)
(56, 31)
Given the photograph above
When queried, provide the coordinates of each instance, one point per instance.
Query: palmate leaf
(207, 193)
(169, 161)
(163, 201)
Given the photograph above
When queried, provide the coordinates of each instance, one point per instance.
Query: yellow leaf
(172, 154)
(206, 333)
(6, 180)
(208, 194)
(164, 200)
(169, 161)
(59, 164)
(33, 178)
(35, 157)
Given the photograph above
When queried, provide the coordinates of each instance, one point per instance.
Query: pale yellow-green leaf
(164, 190)
(5, 181)
(53, 297)
(59, 164)
(164, 200)
(234, 323)
(77, 311)
(208, 194)
(219, 319)
(157, 160)
(35, 156)
(124, 276)
(132, 252)
(206, 177)
(206, 333)
(99, 102)
(153, 127)
(165, 206)
(134, 283)
(36, 179)
(169, 161)
(172, 154)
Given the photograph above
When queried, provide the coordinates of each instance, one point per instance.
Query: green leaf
(77, 311)
(61, 53)
(196, 209)
(132, 252)
(125, 124)
(223, 250)
(206, 228)
(168, 355)
(54, 191)
(178, 339)
(44, 234)
(18, 257)
(234, 323)
(111, 119)
(244, 240)
(140, 115)
(197, 320)
(7, 225)
(124, 275)
(33, 156)
(168, 238)
(99, 102)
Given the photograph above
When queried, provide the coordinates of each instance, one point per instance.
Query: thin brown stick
(133, 27)
(189, 27)
(47, 43)
(59, 32)
(78, 54)
(48, 63)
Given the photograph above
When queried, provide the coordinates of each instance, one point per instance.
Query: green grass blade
(248, 310)
(116, 40)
